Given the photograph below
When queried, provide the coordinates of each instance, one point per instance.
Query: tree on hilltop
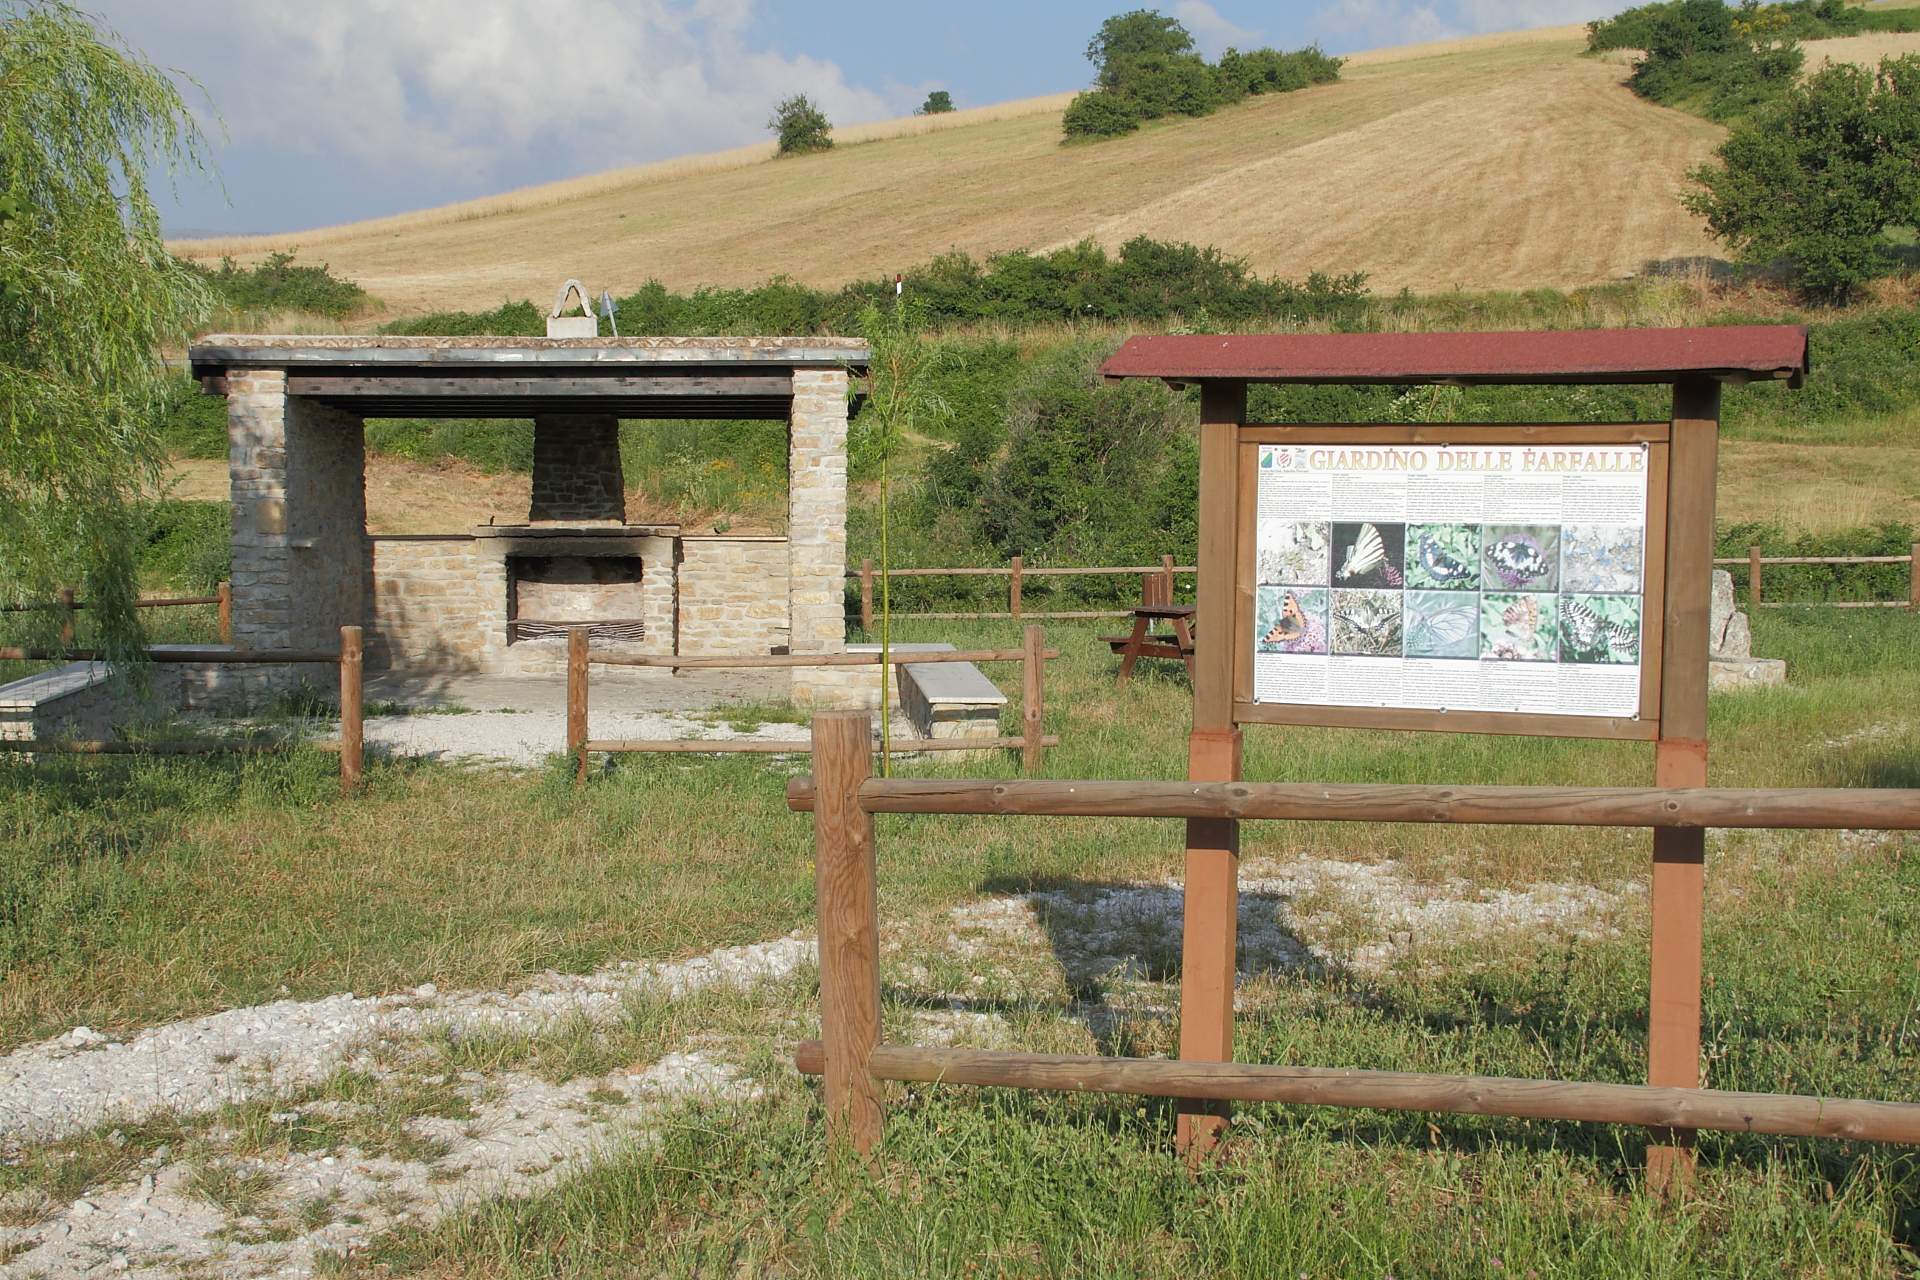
(801, 125)
(91, 296)
(939, 102)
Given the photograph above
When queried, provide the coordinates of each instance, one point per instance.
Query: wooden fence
(1016, 574)
(1754, 560)
(1031, 742)
(352, 702)
(224, 599)
(843, 797)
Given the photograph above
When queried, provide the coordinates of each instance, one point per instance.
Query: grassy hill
(1499, 162)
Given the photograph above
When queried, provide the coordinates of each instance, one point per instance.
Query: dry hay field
(1507, 161)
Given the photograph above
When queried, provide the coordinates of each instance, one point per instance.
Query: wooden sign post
(1669, 648)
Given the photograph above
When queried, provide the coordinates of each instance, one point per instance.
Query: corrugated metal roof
(1550, 356)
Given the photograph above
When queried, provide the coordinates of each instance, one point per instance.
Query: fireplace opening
(547, 595)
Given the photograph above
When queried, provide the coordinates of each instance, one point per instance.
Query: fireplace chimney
(576, 472)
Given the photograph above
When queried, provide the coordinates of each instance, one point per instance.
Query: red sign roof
(1571, 356)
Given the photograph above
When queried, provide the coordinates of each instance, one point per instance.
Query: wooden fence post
(1913, 578)
(226, 613)
(352, 708)
(1013, 587)
(577, 699)
(866, 596)
(66, 618)
(1753, 577)
(849, 925)
(1032, 699)
(1166, 576)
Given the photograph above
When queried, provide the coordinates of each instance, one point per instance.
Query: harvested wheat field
(1512, 163)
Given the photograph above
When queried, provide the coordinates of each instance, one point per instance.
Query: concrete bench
(73, 701)
(943, 699)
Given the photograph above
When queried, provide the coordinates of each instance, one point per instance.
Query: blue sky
(329, 111)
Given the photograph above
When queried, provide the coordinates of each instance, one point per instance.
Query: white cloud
(464, 91)
(1212, 32)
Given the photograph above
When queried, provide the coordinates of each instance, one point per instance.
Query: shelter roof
(475, 377)
(1733, 353)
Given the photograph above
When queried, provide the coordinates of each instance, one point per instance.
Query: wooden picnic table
(1144, 644)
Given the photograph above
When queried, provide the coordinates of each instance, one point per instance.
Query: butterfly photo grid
(1461, 592)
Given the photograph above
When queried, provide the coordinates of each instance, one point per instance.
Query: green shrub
(1822, 581)
(1822, 175)
(190, 423)
(801, 126)
(492, 445)
(279, 285)
(1270, 71)
(1098, 114)
(939, 102)
(188, 546)
(508, 320)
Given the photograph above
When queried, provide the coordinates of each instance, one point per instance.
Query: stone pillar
(817, 532)
(298, 491)
(577, 478)
(660, 594)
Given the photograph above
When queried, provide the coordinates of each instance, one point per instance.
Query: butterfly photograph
(1519, 628)
(1366, 623)
(1442, 624)
(1291, 620)
(1520, 557)
(1602, 559)
(1292, 551)
(1443, 557)
(1369, 555)
(1600, 629)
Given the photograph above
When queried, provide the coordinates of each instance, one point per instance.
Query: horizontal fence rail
(812, 659)
(1637, 1104)
(1017, 573)
(1031, 742)
(804, 746)
(1755, 562)
(347, 659)
(69, 605)
(1804, 808)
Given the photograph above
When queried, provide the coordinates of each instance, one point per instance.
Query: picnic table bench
(1143, 643)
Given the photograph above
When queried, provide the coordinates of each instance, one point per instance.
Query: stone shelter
(498, 599)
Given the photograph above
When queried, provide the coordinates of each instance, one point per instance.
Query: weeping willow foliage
(91, 295)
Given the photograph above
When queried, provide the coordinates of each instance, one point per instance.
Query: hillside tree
(1822, 175)
(801, 126)
(92, 295)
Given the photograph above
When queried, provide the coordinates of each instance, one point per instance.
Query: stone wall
(298, 491)
(817, 530)
(733, 595)
(577, 477)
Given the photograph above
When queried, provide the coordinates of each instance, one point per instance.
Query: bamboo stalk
(1802, 808)
(1636, 1104)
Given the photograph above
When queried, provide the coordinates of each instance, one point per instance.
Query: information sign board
(1497, 579)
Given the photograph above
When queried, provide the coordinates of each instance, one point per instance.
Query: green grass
(135, 891)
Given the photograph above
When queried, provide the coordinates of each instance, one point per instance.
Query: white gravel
(82, 1079)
